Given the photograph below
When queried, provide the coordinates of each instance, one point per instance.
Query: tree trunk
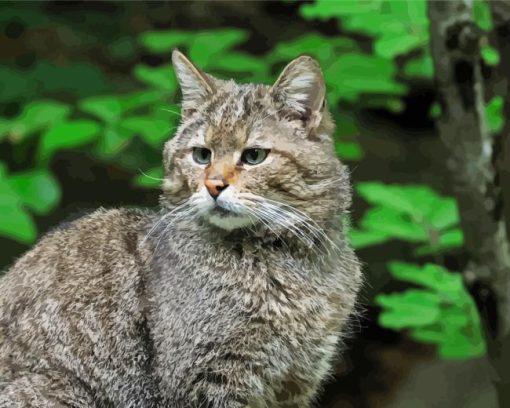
(501, 18)
(456, 54)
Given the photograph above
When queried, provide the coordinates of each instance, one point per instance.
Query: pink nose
(215, 185)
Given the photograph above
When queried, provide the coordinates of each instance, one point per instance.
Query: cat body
(235, 295)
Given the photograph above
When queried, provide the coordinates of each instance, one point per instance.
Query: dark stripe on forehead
(189, 127)
(214, 105)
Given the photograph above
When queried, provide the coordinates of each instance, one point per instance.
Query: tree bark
(500, 11)
(456, 54)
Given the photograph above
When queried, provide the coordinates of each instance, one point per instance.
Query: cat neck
(294, 239)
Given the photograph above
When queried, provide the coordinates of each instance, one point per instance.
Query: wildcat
(235, 294)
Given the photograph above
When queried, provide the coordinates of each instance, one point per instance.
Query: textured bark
(456, 53)
(501, 18)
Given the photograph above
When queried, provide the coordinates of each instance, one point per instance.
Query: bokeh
(88, 97)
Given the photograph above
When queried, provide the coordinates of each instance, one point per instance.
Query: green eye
(201, 155)
(254, 156)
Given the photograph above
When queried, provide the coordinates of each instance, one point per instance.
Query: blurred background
(88, 97)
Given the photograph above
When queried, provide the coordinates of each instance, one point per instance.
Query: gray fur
(127, 308)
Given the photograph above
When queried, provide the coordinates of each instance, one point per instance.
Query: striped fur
(186, 307)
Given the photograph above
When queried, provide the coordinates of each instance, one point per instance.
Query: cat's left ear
(301, 88)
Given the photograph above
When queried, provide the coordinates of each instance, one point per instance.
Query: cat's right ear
(195, 85)
(301, 88)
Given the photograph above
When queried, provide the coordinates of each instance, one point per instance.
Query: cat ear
(195, 85)
(301, 87)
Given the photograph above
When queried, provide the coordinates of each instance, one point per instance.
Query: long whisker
(304, 217)
(288, 216)
(171, 111)
(280, 220)
(185, 213)
(163, 218)
(152, 178)
(258, 217)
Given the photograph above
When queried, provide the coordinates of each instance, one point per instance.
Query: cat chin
(230, 223)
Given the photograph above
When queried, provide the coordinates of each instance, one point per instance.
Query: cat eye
(254, 156)
(201, 155)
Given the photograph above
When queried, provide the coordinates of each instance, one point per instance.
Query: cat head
(248, 154)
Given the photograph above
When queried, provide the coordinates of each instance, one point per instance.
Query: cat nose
(215, 185)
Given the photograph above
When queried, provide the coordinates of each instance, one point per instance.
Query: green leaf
(413, 308)
(420, 67)
(452, 239)
(113, 140)
(142, 99)
(482, 14)
(429, 334)
(325, 9)
(354, 74)
(208, 46)
(153, 131)
(34, 117)
(490, 55)
(239, 63)
(400, 42)
(456, 327)
(430, 276)
(15, 223)
(107, 108)
(494, 114)
(362, 239)
(163, 42)
(348, 150)
(461, 348)
(324, 49)
(391, 222)
(37, 189)
(67, 135)
(443, 214)
(398, 198)
(447, 240)
(435, 110)
(419, 202)
(150, 179)
(161, 77)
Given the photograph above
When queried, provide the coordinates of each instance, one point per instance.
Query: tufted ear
(195, 85)
(301, 87)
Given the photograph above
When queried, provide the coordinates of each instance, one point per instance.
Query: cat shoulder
(104, 236)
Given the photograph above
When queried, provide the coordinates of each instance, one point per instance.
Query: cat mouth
(228, 219)
(222, 212)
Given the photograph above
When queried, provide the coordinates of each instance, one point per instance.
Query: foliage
(22, 193)
(412, 213)
(440, 311)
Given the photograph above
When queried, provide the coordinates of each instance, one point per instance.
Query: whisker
(185, 213)
(287, 217)
(146, 175)
(162, 218)
(171, 111)
(280, 220)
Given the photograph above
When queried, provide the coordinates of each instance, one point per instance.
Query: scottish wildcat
(235, 295)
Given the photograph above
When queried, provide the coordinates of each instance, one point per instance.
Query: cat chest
(280, 292)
